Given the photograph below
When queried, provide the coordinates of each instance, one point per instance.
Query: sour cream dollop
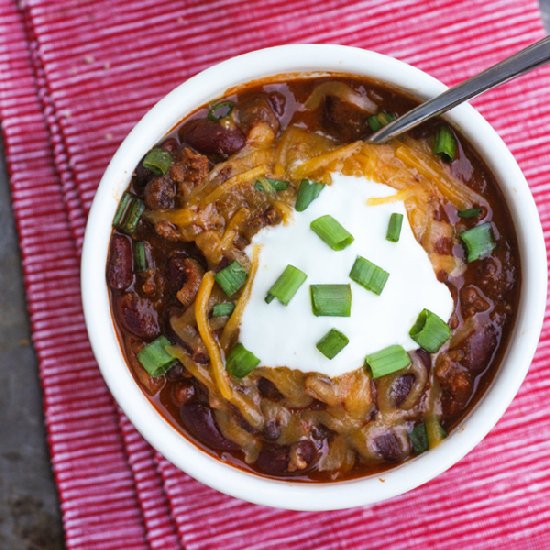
(287, 335)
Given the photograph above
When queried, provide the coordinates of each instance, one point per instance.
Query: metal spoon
(529, 58)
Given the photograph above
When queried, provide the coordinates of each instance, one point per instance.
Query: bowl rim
(211, 84)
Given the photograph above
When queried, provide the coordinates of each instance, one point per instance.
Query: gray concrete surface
(29, 513)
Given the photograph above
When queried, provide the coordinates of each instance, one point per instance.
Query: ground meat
(191, 272)
(170, 145)
(456, 394)
(167, 230)
(193, 276)
(189, 171)
(443, 245)
(254, 109)
(455, 381)
(152, 283)
(472, 301)
(343, 120)
(175, 272)
(271, 216)
(492, 278)
(159, 193)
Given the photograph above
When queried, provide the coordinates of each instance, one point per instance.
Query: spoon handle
(529, 58)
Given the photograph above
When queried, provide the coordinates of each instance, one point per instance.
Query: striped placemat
(76, 76)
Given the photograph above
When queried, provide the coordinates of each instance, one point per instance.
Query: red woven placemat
(75, 76)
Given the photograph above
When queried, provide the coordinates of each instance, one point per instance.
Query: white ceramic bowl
(211, 84)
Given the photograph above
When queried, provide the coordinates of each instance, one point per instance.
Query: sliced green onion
(394, 227)
(154, 358)
(331, 232)
(478, 241)
(134, 215)
(332, 343)
(307, 192)
(128, 213)
(140, 256)
(419, 438)
(286, 286)
(240, 361)
(388, 360)
(231, 278)
(445, 144)
(158, 161)
(219, 110)
(224, 309)
(122, 208)
(469, 213)
(430, 332)
(270, 185)
(330, 300)
(379, 120)
(369, 275)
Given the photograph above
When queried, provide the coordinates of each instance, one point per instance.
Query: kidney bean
(159, 193)
(119, 271)
(272, 430)
(176, 373)
(401, 388)
(303, 456)
(478, 349)
(209, 137)
(138, 315)
(273, 459)
(388, 447)
(182, 393)
(142, 175)
(269, 389)
(199, 421)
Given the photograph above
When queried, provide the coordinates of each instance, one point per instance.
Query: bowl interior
(211, 84)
